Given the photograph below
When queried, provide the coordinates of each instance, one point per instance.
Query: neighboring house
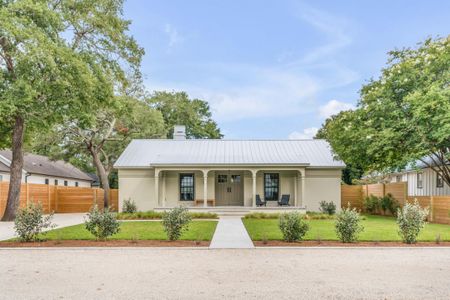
(40, 169)
(159, 173)
(422, 180)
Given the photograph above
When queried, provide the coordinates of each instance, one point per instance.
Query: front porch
(218, 189)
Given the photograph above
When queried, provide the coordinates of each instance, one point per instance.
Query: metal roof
(38, 164)
(156, 152)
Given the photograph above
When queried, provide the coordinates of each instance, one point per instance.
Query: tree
(403, 116)
(103, 140)
(56, 59)
(178, 109)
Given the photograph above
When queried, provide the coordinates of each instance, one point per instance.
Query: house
(160, 173)
(40, 169)
(421, 180)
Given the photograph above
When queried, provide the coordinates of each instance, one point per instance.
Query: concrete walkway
(61, 220)
(231, 233)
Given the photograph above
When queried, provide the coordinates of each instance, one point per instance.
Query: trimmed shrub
(327, 207)
(292, 226)
(411, 219)
(261, 215)
(312, 215)
(155, 215)
(101, 223)
(175, 222)
(30, 222)
(371, 204)
(348, 225)
(389, 204)
(129, 206)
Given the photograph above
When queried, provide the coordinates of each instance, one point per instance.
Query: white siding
(40, 179)
(429, 188)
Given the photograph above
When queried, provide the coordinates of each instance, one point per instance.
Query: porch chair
(259, 202)
(284, 200)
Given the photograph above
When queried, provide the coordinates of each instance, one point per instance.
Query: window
(399, 178)
(1, 177)
(235, 178)
(271, 186)
(76, 183)
(66, 183)
(222, 178)
(47, 181)
(439, 181)
(419, 180)
(187, 187)
(56, 181)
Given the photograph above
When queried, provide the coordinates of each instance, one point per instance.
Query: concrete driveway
(150, 273)
(61, 220)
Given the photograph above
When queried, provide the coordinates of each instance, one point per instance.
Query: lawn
(151, 230)
(376, 228)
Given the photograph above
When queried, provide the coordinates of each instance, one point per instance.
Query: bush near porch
(151, 230)
(376, 228)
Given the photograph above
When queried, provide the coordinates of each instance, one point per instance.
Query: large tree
(100, 143)
(56, 59)
(403, 116)
(178, 109)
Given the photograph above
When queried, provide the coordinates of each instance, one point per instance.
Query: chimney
(179, 132)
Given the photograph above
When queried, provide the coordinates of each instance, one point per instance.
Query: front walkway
(61, 220)
(231, 233)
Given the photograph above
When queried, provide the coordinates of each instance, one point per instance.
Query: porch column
(157, 186)
(302, 173)
(205, 188)
(296, 189)
(254, 187)
(164, 189)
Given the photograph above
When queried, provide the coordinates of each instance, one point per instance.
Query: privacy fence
(354, 195)
(60, 199)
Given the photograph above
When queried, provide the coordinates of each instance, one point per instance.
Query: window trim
(277, 187)
(419, 182)
(441, 185)
(180, 176)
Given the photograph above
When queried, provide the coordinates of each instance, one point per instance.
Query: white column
(296, 189)
(254, 187)
(302, 203)
(157, 186)
(205, 188)
(164, 190)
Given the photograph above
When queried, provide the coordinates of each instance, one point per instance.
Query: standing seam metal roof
(154, 152)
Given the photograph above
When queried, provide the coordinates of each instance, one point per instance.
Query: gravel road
(311, 273)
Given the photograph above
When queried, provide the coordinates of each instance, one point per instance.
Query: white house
(40, 169)
(159, 173)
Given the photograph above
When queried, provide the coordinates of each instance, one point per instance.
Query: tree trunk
(15, 171)
(103, 176)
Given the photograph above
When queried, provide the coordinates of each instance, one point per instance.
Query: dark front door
(229, 189)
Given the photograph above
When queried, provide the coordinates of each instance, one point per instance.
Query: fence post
(27, 194)
(431, 208)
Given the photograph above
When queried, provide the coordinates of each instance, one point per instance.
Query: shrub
(292, 226)
(30, 222)
(371, 204)
(411, 219)
(261, 215)
(348, 225)
(155, 215)
(129, 206)
(101, 223)
(389, 204)
(175, 222)
(311, 215)
(328, 207)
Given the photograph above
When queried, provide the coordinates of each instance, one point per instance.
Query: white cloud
(307, 133)
(174, 37)
(333, 107)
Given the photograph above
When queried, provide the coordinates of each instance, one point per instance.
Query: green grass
(156, 215)
(376, 228)
(152, 230)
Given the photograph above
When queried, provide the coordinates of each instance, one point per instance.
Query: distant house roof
(154, 152)
(3, 167)
(38, 164)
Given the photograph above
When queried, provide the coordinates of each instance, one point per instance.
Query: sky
(275, 69)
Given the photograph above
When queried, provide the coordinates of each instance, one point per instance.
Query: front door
(229, 189)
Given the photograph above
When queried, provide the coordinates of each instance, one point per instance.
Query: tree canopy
(178, 109)
(403, 116)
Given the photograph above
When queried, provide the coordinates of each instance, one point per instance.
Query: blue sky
(275, 69)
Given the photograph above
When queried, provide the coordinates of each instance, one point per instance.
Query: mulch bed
(339, 244)
(111, 243)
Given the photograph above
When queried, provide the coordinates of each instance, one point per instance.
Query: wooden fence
(60, 199)
(354, 195)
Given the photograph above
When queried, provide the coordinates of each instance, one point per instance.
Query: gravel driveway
(227, 273)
